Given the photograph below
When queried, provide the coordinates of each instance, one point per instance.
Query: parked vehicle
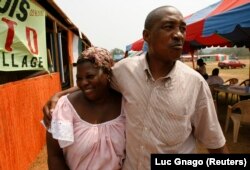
(231, 64)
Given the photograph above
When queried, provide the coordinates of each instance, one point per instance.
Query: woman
(88, 128)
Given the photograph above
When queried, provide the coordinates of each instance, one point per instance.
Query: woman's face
(92, 81)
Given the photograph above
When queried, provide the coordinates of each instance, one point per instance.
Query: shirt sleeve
(114, 79)
(207, 129)
(62, 123)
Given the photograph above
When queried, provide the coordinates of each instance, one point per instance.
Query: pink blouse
(86, 145)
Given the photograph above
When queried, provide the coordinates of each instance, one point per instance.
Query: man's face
(166, 37)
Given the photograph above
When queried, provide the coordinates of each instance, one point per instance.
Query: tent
(225, 23)
(139, 45)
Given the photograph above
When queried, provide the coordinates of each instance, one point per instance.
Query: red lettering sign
(10, 34)
(30, 31)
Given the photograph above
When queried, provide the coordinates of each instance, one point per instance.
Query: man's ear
(146, 35)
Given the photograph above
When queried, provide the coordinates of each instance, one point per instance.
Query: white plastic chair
(231, 82)
(243, 83)
(238, 118)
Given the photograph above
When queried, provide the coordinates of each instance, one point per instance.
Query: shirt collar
(170, 76)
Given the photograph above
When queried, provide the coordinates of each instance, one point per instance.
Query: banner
(23, 36)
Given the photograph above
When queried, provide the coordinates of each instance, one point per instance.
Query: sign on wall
(22, 36)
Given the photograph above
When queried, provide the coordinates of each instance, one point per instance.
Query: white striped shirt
(164, 115)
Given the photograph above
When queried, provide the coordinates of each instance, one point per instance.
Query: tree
(117, 51)
(240, 52)
(117, 54)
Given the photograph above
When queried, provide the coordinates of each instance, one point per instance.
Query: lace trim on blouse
(63, 132)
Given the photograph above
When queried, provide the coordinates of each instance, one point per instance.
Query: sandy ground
(41, 161)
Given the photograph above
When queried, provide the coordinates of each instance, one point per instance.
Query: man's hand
(51, 104)
(48, 109)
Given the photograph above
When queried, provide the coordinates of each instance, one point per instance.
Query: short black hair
(153, 16)
(200, 62)
(215, 72)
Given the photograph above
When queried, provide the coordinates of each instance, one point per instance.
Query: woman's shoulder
(76, 98)
(64, 110)
(62, 101)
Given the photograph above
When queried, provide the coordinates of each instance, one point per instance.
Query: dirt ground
(41, 161)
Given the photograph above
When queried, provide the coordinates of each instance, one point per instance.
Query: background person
(215, 79)
(168, 105)
(87, 128)
(201, 68)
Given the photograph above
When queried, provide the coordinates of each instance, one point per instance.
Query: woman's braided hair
(100, 57)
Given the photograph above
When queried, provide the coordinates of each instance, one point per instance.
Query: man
(215, 79)
(168, 105)
(201, 68)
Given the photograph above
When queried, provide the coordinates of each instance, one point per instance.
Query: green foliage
(117, 51)
(240, 52)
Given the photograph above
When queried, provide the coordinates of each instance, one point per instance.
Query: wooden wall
(21, 134)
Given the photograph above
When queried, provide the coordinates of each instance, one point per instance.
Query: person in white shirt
(215, 78)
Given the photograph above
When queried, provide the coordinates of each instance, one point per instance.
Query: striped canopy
(225, 23)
